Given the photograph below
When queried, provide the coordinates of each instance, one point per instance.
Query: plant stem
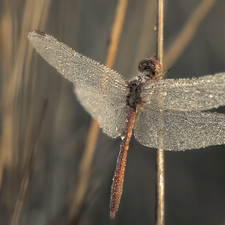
(160, 183)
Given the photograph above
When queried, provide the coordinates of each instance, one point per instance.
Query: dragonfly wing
(176, 130)
(110, 114)
(78, 69)
(196, 94)
(101, 90)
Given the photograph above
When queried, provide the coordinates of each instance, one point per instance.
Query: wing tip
(39, 32)
(35, 32)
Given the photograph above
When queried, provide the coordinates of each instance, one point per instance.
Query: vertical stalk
(160, 183)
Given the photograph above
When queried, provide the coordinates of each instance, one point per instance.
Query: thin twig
(160, 183)
(27, 171)
(84, 170)
(159, 46)
(187, 33)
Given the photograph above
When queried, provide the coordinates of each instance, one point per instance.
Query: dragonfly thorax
(133, 98)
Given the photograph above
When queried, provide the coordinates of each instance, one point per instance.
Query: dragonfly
(165, 114)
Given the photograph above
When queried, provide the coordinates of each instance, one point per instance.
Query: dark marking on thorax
(134, 96)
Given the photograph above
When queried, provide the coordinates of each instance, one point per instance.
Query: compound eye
(157, 66)
(143, 65)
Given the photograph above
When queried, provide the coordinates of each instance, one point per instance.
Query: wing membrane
(80, 70)
(176, 130)
(101, 90)
(195, 94)
(110, 114)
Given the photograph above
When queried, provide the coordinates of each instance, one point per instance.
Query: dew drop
(155, 27)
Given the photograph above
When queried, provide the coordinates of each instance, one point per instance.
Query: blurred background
(44, 129)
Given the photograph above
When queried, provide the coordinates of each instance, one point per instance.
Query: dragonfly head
(151, 67)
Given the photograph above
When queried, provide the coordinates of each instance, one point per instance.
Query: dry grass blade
(187, 33)
(27, 170)
(13, 68)
(159, 46)
(84, 169)
(116, 32)
(17, 109)
(160, 183)
(94, 128)
(6, 50)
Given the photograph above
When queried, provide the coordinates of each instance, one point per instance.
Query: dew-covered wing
(78, 69)
(110, 114)
(194, 94)
(176, 130)
(101, 90)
